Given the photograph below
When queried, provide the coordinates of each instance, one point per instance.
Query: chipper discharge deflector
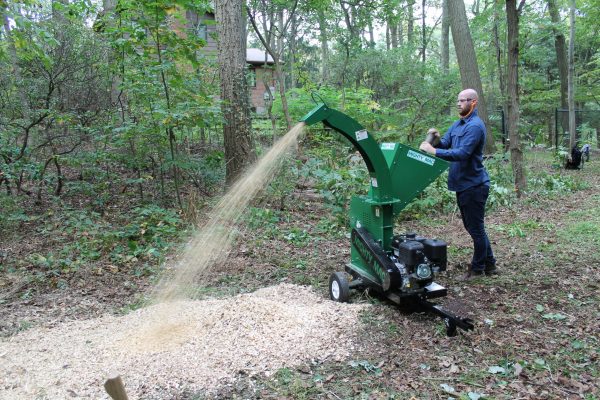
(400, 267)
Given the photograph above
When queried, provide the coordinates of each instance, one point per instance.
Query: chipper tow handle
(450, 320)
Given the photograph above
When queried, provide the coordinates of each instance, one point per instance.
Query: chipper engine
(401, 267)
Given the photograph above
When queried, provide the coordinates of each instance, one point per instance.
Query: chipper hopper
(399, 267)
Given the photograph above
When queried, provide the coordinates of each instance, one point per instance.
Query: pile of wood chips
(188, 345)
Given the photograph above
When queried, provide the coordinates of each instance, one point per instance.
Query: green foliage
(11, 214)
(284, 183)
(555, 184)
(138, 241)
(264, 219)
(583, 228)
(337, 179)
(111, 105)
(436, 198)
(358, 103)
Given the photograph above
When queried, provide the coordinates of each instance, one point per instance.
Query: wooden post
(115, 388)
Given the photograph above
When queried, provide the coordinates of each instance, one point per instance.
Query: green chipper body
(380, 259)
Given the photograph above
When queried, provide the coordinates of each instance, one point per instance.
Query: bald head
(466, 102)
(468, 94)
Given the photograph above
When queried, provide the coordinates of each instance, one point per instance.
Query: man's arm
(445, 141)
(472, 137)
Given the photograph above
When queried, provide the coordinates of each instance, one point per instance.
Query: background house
(260, 73)
(260, 77)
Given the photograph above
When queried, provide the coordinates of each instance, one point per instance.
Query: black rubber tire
(338, 287)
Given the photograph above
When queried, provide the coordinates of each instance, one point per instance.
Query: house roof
(258, 56)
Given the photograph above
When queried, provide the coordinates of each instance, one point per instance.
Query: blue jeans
(471, 203)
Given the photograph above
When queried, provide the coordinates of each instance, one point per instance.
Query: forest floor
(536, 324)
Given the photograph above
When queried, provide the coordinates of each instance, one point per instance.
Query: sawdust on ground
(199, 346)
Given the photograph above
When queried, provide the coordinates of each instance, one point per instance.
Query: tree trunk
(467, 62)
(14, 60)
(284, 105)
(292, 51)
(411, 23)
(561, 62)
(58, 15)
(423, 32)
(400, 26)
(501, 71)
(571, 80)
(266, 38)
(445, 42)
(324, 47)
(516, 154)
(239, 148)
(108, 16)
(393, 35)
(445, 47)
(388, 40)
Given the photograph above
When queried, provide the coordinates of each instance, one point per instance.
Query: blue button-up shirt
(463, 146)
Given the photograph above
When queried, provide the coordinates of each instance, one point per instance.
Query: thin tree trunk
(393, 35)
(445, 47)
(324, 47)
(516, 153)
(284, 104)
(411, 23)
(400, 26)
(275, 53)
(571, 85)
(467, 61)
(14, 60)
(423, 32)
(388, 37)
(293, 34)
(561, 62)
(445, 42)
(169, 130)
(499, 67)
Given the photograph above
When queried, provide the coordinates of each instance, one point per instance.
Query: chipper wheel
(339, 289)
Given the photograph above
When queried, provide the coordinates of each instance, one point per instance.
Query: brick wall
(257, 93)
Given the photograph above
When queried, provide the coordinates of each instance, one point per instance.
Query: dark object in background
(585, 151)
(574, 162)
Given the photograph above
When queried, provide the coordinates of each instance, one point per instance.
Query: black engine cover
(436, 251)
(410, 253)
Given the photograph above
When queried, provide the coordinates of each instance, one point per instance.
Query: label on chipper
(361, 135)
(388, 146)
(374, 182)
(421, 157)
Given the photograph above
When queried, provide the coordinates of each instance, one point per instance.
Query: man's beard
(463, 112)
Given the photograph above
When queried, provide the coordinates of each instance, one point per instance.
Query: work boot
(471, 274)
(491, 269)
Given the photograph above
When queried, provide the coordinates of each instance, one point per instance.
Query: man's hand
(433, 132)
(433, 137)
(428, 148)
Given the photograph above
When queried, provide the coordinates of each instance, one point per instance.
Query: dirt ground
(536, 324)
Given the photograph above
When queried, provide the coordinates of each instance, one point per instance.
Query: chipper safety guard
(399, 267)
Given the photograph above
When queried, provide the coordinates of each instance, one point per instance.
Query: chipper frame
(400, 267)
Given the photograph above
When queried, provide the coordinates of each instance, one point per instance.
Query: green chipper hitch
(400, 267)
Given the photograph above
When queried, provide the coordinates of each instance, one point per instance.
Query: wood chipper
(399, 267)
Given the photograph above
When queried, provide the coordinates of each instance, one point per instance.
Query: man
(463, 146)
(585, 151)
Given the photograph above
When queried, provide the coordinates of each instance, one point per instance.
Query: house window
(251, 77)
(202, 31)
